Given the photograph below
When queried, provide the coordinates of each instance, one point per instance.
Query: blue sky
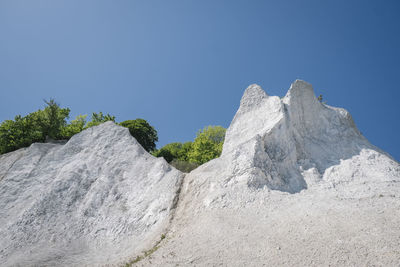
(182, 65)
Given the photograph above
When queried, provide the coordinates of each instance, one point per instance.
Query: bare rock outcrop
(99, 199)
(296, 185)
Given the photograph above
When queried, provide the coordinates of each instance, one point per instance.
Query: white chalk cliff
(296, 185)
(98, 199)
(280, 138)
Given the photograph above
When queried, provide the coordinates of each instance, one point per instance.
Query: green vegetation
(35, 127)
(75, 126)
(187, 156)
(143, 132)
(98, 119)
(51, 123)
(207, 145)
(174, 151)
(20, 132)
(52, 119)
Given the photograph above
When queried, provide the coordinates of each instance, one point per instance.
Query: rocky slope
(296, 185)
(98, 199)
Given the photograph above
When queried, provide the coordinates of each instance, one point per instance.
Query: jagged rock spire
(285, 131)
(253, 95)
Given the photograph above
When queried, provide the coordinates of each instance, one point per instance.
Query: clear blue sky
(182, 65)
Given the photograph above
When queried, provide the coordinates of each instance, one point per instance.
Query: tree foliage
(187, 156)
(75, 126)
(35, 127)
(52, 119)
(174, 151)
(17, 133)
(207, 145)
(143, 132)
(51, 123)
(99, 118)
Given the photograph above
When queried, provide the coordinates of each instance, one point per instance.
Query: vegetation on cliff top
(51, 123)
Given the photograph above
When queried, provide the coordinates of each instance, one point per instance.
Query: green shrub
(143, 132)
(173, 151)
(53, 119)
(75, 126)
(35, 127)
(18, 133)
(98, 119)
(188, 156)
(207, 145)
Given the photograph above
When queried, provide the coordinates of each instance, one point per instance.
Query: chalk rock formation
(291, 144)
(296, 185)
(285, 136)
(98, 199)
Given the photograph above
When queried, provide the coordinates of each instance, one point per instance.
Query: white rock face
(296, 185)
(99, 199)
(290, 145)
(289, 135)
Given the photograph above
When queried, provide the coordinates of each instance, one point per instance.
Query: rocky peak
(252, 96)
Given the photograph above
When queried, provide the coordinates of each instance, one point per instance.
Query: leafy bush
(51, 123)
(164, 153)
(143, 132)
(188, 156)
(35, 127)
(17, 133)
(207, 145)
(98, 119)
(75, 126)
(52, 119)
(173, 151)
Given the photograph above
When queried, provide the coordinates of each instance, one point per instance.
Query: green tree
(183, 154)
(143, 132)
(52, 119)
(207, 144)
(20, 132)
(35, 127)
(164, 152)
(75, 126)
(99, 118)
(174, 151)
(55, 118)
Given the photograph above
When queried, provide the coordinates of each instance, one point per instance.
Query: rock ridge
(296, 184)
(100, 198)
